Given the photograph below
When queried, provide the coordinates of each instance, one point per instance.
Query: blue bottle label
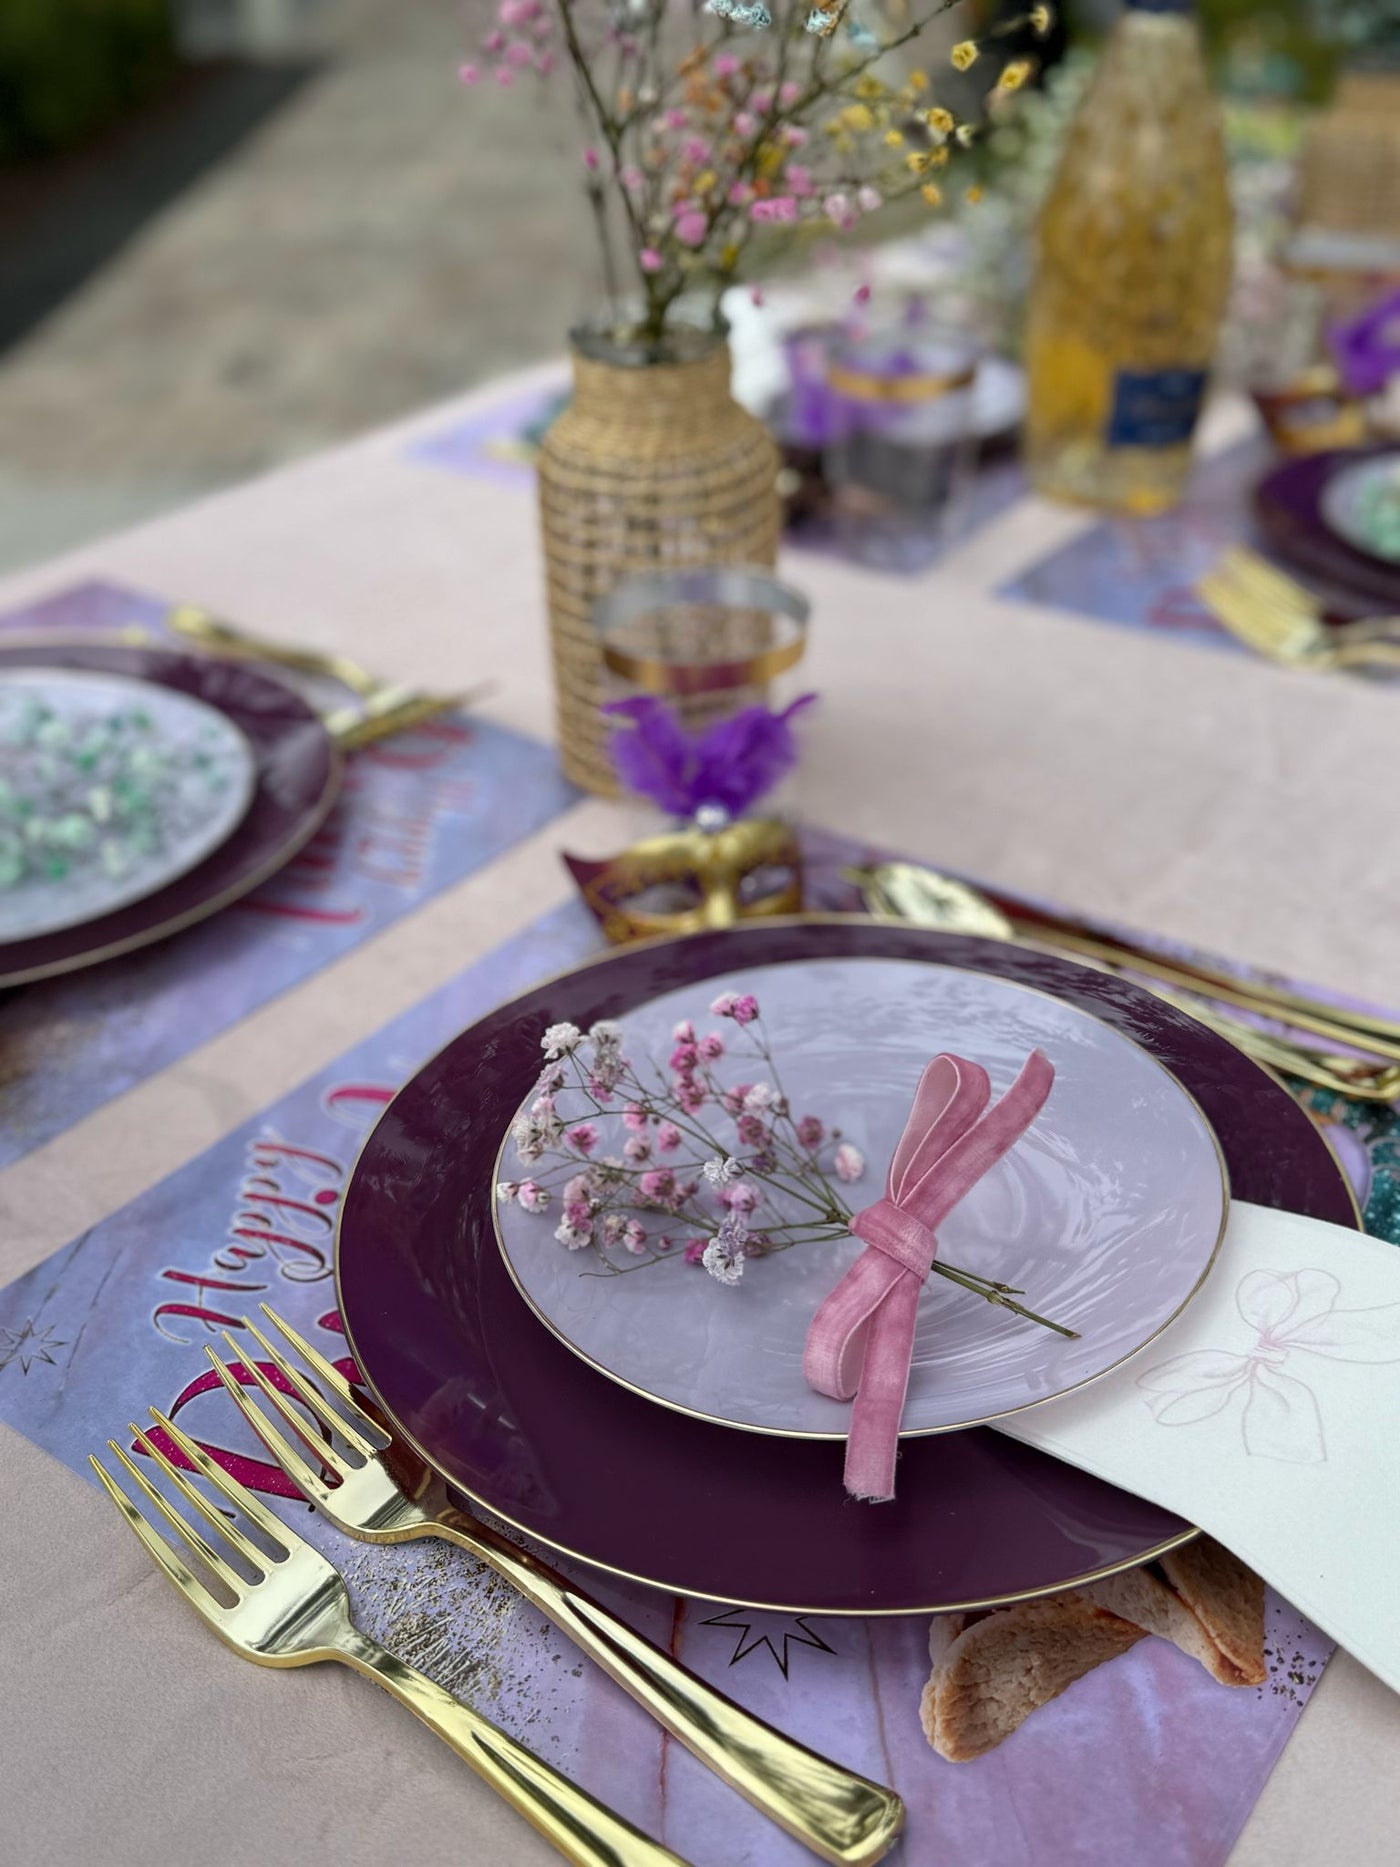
(1155, 408)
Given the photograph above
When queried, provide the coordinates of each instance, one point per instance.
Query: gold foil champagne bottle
(1132, 272)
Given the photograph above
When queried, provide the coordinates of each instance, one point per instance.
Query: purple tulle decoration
(1366, 348)
(731, 765)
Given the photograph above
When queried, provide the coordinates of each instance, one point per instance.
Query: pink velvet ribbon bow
(861, 1340)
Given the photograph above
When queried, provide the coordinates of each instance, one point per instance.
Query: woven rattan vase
(653, 465)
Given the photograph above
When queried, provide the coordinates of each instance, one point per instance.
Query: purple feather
(732, 764)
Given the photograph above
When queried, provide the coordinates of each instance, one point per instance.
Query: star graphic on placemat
(777, 1632)
(26, 1345)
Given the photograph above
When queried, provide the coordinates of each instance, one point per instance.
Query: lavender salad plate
(519, 1423)
(109, 790)
(1107, 1215)
(292, 776)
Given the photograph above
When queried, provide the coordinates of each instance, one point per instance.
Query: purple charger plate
(517, 1422)
(298, 779)
(1287, 502)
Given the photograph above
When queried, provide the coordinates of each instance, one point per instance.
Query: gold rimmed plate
(297, 775)
(1107, 1214)
(522, 1425)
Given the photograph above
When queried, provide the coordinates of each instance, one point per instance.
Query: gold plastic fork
(227, 638)
(392, 1496)
(1281, 618)
(294, 1610)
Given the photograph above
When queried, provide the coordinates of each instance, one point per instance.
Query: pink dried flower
(861, 295)
(668, 1137)
(675, 119)
(468, 74)
(711, 1046)
(758, 1099)
(795, 136)
(740, 1197)
(504, 77)
(632, 179)
(532, 1196)
(745, 123)
(683, 1058)
(519, 54)
(740, 194)
(506, 1190)
(584, 1136)
(789, 93)
(695, 149)
(849, 1162)
(573, 1237)
(838, 210)
(517, 12)
(777, 208)
(732, 1099)
(576, 1191)
(659, 1184)
(752, 1131)
(745, 1008)
(869, 198)
(578, 1215)
(762, 101)
(493, 41)
(684, 1032)
(636, 1148)
(634, 1237)
(811, 1132)
(650, 260)
(691, 227)
(725, 65)
(544, 64)
(634, 1116)
(799, 179)
(590, 159)
(695, 1250)
(755, 294)
(691, 1095)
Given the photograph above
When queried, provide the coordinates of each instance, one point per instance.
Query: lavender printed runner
(1141, 571)
(419, 812)
(1145, 1760)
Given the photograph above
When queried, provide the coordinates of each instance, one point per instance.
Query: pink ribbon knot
(861, 1340)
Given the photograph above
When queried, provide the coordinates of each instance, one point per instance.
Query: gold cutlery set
(1282, 619)
(275, 1600)
(1366, 1064)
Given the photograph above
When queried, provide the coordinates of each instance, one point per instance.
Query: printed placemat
(419, 812)
(500, 443)
(1146, 1759)
(1141, 571)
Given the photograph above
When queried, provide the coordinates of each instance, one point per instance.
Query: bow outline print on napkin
(861, 1340)
(1292, 1314)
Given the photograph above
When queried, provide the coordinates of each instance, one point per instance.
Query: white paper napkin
(1269, 1414)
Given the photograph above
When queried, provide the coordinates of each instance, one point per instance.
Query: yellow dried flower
(1014, 75)
(728, 255)
(916, 161)
(917, 81)
(964, 55)
(625, 100)
(966, 134)
(939, 119)
(1041, 19)
(705, 180)
(769, 159)
(938, 158)
(972, 195)
(868, 86)
(932, 193)
(857, 117)
(893, 139)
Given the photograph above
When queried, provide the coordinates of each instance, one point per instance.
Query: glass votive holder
(906, 442)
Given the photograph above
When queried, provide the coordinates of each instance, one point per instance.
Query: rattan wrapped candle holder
(653, 466)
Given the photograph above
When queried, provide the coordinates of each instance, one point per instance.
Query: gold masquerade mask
(692, 878)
